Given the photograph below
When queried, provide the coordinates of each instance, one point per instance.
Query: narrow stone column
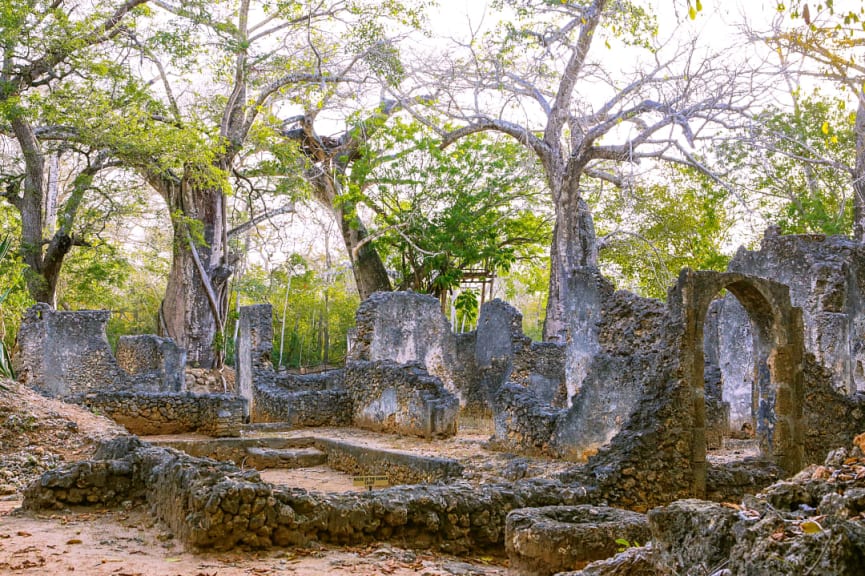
(254, 344)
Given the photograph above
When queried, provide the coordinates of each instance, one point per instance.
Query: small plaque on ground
(370, 482)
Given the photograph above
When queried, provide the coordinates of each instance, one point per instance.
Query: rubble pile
(37, 434)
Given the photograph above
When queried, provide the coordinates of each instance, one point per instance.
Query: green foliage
(6, 370)
(527, 287)
(629, 23)
(319, 308)
(475, 206)
(657, 229)
(623, 544)
(467, 306)
(792, 164)
(15, 298)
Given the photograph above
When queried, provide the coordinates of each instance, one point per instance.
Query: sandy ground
(319, 478)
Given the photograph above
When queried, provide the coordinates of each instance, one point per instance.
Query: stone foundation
(169, 412)
(545, 541)
(209, 504)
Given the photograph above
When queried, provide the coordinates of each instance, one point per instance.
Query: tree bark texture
(43, 257)
(573, 248)
(859, 174)
(369, 272)
(194, 309)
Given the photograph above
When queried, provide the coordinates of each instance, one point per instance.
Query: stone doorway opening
(736, 379)
(777, 345)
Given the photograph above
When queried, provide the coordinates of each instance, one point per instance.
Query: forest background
(174, 161)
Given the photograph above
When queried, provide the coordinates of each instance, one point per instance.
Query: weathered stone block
(62, 353)
(692, 537)
(543, 541)
(155, 359)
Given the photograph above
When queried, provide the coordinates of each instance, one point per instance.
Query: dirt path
(130, 543)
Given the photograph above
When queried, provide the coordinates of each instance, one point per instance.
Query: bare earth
(37, 433)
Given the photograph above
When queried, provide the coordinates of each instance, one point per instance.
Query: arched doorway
(778, 348)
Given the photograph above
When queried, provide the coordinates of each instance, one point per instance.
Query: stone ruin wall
(631, 416)
(628, 338)
(633, 369)
(153, 413)
(66, 355)
(400, 399)
(216, 505)
(377, 395)
(158, 364)
(406, 328)
(62, 353)
(392, 380)
(826, 278)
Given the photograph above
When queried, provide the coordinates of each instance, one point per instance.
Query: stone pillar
(254, 344)
(583, 316)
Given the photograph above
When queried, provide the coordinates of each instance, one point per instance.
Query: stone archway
(778, 335)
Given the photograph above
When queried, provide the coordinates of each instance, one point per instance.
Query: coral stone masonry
(738, 379)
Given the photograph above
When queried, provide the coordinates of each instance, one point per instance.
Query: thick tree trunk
(44, 258)
(366, 265)
(194, 308)
(576, 287)
(574, 247)
(859, 174)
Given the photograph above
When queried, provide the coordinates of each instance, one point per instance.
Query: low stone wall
(399, 467)
(522, 422)
(169, 412)
(400, 398)
(209, 504)
(233, 450)
(546, 541)
(330, 380)
(729, 482)
(301, 408)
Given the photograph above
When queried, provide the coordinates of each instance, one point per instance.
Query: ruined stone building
(768, 353)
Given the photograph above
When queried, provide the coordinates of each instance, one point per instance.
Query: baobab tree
(550, 80)
(259, 54)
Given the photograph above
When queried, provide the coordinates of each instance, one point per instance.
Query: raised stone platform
(357, 458)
